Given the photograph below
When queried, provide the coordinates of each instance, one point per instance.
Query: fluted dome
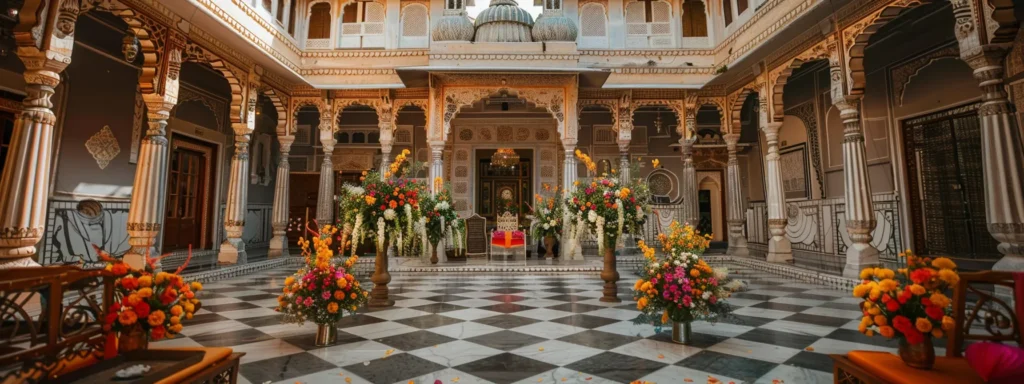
(554, 28)
(503, 22)
(453, 28)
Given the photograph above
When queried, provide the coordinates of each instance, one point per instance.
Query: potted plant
(148, 305)
(322, 290)
(910, 304)
(547, 219)
(607, 208)
(437, 217)
(680, 288)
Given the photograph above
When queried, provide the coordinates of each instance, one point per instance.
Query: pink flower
(687, 301)
(326, 295)
(298, 300)
(308, 301)
(713, 299)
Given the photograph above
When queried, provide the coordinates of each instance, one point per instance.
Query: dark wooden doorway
(189, 194)
(303, 189)
(947, 187)
(494, 181)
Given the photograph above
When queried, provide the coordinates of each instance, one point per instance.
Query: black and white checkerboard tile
(520, 328)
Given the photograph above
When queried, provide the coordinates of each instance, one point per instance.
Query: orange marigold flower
(156, 318)
(127, 317)
(332, 307)
(923, 325)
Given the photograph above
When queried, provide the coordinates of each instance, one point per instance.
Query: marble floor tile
(832, 312)
(447, 375)
(379, 330)
(556, 352)
(720, 328)
(811, 360)
(455, 353)
(697, 339)
(469, 314)
(628, 328)
(721, 365)
(505, 368)
(412, 303)
(677, 374)
(414, 340)
(761, 312)
(247, 313)
(548, 330)
(506, 321)
(430, 321)
(566, 376)
(353, 353)
(543, 314)
(465, 330)
(790, 374)
(660, 351)
(598, 339)
(614, 313)
(799, 328)
(615, 366)
(231, 338)
(394, 368)
(585, 321)
(267, 349)
(284, 367)
(397, 314)
(755, 350)
(506, 340)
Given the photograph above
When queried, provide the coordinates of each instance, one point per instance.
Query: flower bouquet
(148, 305)
(323, 289)
(606, 208)
(385, 208)
(437, 218)
(547, 219)
(910, 304)
(680, 288)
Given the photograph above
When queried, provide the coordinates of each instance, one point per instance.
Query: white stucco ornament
(503, 22)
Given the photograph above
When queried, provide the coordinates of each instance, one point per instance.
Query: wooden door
(189, 178)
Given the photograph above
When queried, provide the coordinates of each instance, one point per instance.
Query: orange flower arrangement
(910, 303)
(154, 301)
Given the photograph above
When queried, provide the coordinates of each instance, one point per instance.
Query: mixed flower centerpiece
(323, 289)
(148, 305)
(438, 218)
(547, 218)
(680, 287)
(910, 304)
(607, 208)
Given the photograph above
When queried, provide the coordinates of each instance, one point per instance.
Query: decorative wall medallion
(485, 134)
(466, 134)
(461, 171)
(461, 187)
(547, 171)
(660, 184)
(547, 155)
(504, 133)
(460, 205)
(543, 135)
(461, 155)
(522, 134)
(103, 146)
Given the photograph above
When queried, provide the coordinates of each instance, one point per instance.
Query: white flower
(592, 216)
(546, 226)
(676, 262)
(705, 295)
(442, 206)
(553, 223)
(389, 214)
(354, 189)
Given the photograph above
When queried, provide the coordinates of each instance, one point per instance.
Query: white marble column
(279, 221)
(569, 172)
(736, 206)
(623, 140)
(688, 184)
(387, 138)
(232, 250)
(436, 163)
(325, 197)
(779, 247)
(860, 216)
(26, 176)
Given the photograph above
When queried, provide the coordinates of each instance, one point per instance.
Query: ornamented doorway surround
(449, 92)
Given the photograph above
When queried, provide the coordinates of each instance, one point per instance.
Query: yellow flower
(875, 293)
(176, 328)
(939, 299)
(887, 285)
(924, 325)
(861, 290)
(947, 323)
(943, 263)
(289, 280)
(370, 200)
(161, 277)
(332, 307)
(156, 318)
(655, 163)
(948, 276)
(146, 281)
(175, 320)
(145, 292)
(176, 310)
(664, 317)
(884, 273)
(867, 273)
(917, 290)
(197, 286)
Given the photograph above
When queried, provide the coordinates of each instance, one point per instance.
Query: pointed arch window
(593, 26)
(319, 33)
(648, 24)
(415, 23)
(362, 25)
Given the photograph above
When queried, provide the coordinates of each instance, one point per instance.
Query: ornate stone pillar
(279, 221)
(1002, 158)
(26, 177)
(688, 184)
(232, 250)
(624, 137)
(735, 204)
(779, 247)
(569, 172)
(436, 163)
(325, 197)
(387, 137)
(860, 216)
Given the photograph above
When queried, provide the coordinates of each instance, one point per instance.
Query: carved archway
(721, 105)
(321, 107)
(236, 77)
(857, 36)
(778, 78)
(455, 98)
(280, 102)
(736, 102)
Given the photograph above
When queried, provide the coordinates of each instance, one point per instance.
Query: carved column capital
(286, 143)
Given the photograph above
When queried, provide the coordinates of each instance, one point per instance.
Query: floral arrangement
(438, 216)
(680, 288)
(683, 239)
(382, 208)
(323, 289)
(547, 216)
(156, 302)
(910, 303)
(606, 207)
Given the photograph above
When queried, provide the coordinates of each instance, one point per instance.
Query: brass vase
(681, 332)
(133, 339)
(610, 275)
(381, 277)
(549, 247)
(433, 255)
(920, 356)
(326, 334)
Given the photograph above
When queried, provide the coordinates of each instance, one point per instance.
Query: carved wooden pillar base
(610, 275)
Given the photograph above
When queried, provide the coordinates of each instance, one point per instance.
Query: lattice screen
(414, 20)
(593, 26)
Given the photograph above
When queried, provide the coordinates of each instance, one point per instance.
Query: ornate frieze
(904, 73)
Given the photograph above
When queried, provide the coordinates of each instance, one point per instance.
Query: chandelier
(505, 157)
(657, 122)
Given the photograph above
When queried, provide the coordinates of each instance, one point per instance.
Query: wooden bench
(988, 318)
(51, 325)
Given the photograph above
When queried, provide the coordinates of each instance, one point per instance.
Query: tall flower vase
(681, 333)
(134, 339)
(433, 255)
(920, 356)
(381, 277)
(326, 334)
(610, 275)
(549, 247)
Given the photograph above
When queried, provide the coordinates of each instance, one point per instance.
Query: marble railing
(817, 230)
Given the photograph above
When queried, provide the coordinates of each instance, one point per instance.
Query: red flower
(111, 317)
(903, 297)
(142, 309)
(157, 332)
(913, 336)
(886, 298)
(892, 306)
(921, 276)
(902, 324)
(130, 283)
(926, 301)
(934, 312)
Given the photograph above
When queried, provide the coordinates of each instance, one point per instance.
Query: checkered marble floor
(516, 328)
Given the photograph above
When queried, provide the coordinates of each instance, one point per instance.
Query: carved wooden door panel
(188, 182)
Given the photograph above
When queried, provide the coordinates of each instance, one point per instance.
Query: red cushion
(996, 363)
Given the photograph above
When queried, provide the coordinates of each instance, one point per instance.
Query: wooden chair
(476, 236)
(979, 316)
